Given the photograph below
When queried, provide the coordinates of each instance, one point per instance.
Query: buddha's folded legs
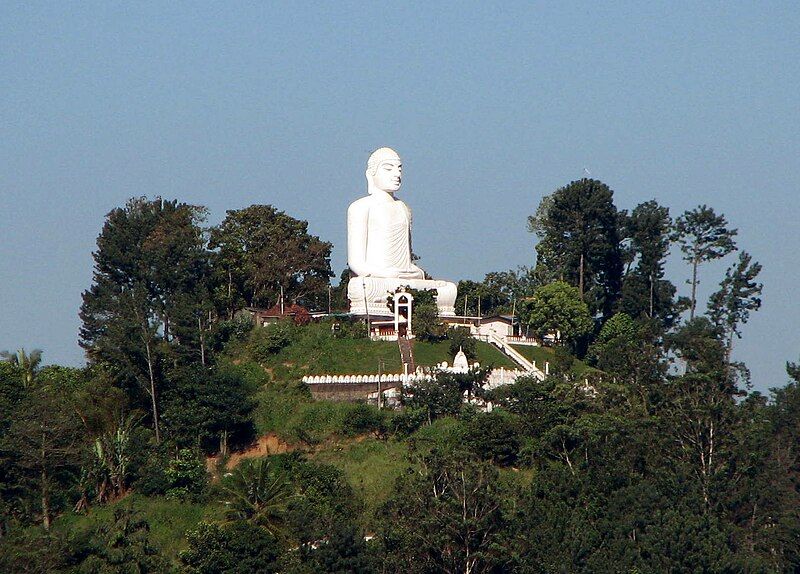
(371, 293)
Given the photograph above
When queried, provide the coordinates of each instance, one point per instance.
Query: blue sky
(491, 106)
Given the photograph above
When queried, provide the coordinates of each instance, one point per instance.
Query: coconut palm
(29, 363)
(258, 493)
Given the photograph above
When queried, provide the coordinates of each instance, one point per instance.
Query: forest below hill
(643, 450)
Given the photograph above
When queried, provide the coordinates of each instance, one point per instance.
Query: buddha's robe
(379, 254)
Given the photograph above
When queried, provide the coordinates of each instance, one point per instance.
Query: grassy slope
(538, 354)
(371, 466)
(430, 354)
(168, 519)
(544, 354)
(315, 352)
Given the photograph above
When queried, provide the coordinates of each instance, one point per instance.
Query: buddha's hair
(378, 156)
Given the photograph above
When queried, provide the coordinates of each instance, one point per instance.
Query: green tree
(579, 242)
(771, 506)
(44, 443)
(121, 546)
(461, 340)
(343, 552)
(208, 408)
(557, 309)
(437, 398)
(631, 352)
(499, 292)
(468, 294)
(261, 252)
(739, 294)
(338, 294)
(112, 460)
(703, 236)
(323, 502)
(444, 516)
(147, 295)
(34, 550)
(618, 333)
(645, 292)
(494, 437)
(759, 497)
(699, 406)
(186, 475)
(11, 490)
(270, 339)
(235, 548)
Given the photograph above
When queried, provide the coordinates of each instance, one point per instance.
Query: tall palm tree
(29, 363)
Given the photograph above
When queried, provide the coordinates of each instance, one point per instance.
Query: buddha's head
(384, 170)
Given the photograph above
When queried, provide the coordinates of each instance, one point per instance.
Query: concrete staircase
(407, 354)
(516, 356)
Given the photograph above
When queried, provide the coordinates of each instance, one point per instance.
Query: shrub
(151, 477)
(408, 421)
(349, 329)
(270, 339)
(186, 475)
(325, 498)
(445, 435)
(236, 548)
(317, 421)
(36, 550)
(253, 374)
(235, 330)
(122, 544)
(345, 550)
(363, 418)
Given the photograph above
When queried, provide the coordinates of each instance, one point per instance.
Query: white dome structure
(460, 363)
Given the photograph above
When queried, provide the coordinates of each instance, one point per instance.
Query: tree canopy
(557, 310)
(703, 236)
(189, 443)
(261, 253)
(578, 231)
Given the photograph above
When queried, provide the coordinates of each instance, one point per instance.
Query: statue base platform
(371, 294)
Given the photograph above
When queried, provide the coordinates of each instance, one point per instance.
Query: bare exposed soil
(264, 446)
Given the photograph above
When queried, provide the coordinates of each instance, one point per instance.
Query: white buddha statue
(379, 243)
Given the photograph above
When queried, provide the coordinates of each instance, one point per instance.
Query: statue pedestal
(370, 294)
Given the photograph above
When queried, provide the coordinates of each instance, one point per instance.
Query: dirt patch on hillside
(264, 446)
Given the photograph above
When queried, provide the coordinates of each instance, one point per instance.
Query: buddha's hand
(385, 273)
(413, 272)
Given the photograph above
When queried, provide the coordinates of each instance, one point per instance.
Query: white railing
(376, 337)
(520, 359)
(360, 379)
(511, 352)
(529, 341)
(497, 378)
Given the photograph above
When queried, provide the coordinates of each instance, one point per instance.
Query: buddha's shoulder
(365, 204)
(358, 209)
(362, 203)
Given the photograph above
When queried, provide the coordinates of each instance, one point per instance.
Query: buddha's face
(388, 176)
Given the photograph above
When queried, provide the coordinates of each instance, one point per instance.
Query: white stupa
(460, 363)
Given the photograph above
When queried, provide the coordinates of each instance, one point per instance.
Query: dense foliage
(189, 444)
